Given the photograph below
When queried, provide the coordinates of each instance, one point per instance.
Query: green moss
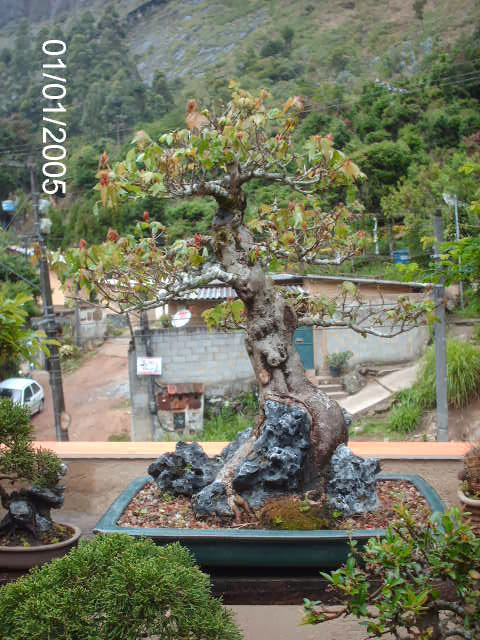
(293, 514)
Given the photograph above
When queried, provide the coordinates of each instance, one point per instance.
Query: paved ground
(380, 390)
(283, 623)
(96, 396)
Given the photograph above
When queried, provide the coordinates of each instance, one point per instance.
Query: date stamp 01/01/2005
(54, 129)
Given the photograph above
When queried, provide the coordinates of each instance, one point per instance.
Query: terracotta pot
(472, 506)
(18, 558)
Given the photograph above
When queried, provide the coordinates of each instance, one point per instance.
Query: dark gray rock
(22, 511)
(52, 498)
(275, 465)
(212, 500)
(351, 482)
(186, 471)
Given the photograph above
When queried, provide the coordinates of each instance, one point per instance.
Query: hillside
(398, 90)
(339, 39)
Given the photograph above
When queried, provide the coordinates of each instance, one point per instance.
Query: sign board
(9, 206)
(181, 318)
(402, 256)
(149, 366)
(44, 205)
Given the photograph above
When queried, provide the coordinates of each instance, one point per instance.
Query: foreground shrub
(115, 588)
(421, 582)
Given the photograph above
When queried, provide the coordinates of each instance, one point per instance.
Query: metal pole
(152, 406)
(375, 235)
(54, 369)
(440, 340)
(457, 235)
(77, 327)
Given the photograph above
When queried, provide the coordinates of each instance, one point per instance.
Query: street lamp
(452, 201)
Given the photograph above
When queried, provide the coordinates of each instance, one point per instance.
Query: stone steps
(329, 385)
(337, 395)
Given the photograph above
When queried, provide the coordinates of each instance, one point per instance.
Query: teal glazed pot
(254, 548)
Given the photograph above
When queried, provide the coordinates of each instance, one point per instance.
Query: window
(14, 394)
(28, 394)
(179, 421)
(35, 387)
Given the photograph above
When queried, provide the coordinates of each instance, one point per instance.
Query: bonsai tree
(28, 507)
(469, 491)
(220, 157)
(114, 588)
(418, 583)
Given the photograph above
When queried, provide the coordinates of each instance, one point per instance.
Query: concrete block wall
(216, 359)
(402, 348)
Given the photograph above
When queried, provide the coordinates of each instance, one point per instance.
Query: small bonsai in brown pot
(28, 491)
(469, 491)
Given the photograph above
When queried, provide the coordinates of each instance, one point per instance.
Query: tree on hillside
(216, 159)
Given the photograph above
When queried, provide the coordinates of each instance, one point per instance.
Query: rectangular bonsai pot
(249, 548)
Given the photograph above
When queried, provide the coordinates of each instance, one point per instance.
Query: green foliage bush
(407, 411)
(463, 385)
(231, 420)
(116, 588)
(406, 583)
(463, 375)
(17, 341)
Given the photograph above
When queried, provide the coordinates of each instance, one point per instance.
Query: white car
(24, 391)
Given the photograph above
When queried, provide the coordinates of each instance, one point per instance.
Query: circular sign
(181, 318)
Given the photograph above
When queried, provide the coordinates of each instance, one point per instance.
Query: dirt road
(96, 396)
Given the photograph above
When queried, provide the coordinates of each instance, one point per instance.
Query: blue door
(303, 341)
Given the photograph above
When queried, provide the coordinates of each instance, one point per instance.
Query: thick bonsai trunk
(271, 322)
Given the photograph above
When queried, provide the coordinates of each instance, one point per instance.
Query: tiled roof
(223, 292)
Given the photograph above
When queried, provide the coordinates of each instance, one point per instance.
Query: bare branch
(300, 184)
(187, 282)
(320, 321)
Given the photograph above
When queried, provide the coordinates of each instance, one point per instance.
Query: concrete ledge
(149, 450)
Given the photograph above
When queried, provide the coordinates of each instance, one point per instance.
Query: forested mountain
(397, 84)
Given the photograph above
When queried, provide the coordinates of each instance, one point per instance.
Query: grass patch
(377, 428)
(463, 375)
(119, 437)
(407, 411)
(231, 420)
(472, 308)
(225, 427)
(463, 382)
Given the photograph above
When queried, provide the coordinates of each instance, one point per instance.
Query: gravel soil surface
(151, 508)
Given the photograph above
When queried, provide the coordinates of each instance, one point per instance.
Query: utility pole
(54, 369)
(457, 235)
(152, 406)
(119, 121)
(440, 339)
(77, 325)
(453, 201)
(375, 235)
